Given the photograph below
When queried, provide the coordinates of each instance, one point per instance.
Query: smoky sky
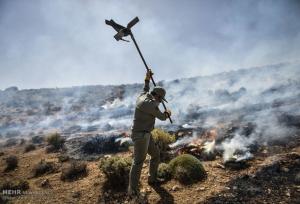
(63, 43)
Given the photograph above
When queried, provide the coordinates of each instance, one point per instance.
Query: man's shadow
(165, 196)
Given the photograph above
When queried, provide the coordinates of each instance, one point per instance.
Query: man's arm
(147, 81)
(146, 86)
(149, 107)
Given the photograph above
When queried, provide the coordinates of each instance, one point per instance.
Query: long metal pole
(139, 51)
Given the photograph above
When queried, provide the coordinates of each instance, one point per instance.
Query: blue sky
(63, 43)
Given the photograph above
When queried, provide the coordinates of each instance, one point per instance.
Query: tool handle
(139, 51)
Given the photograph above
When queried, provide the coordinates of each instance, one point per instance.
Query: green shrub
(11, 163)
(37, 139)
(29, 147)
(18, 185)
(55, 142)
(73, 171)
(63, 158)
(164, 171)
(43, 167)
(116, 170)
(187, 169)
(160, 136)
(162, 139)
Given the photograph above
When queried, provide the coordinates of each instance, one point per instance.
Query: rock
(45, 183)
(284, 169)
(76, 194)
(175, 188)
(288, 193)
(200, 189)
(297, 178)
(218, 165)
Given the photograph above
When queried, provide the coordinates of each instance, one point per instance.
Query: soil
(272, 176)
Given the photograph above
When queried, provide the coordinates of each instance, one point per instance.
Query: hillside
(243, 125)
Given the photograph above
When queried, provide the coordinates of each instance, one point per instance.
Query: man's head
(158, 93)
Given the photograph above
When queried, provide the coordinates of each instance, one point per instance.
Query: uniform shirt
(146, 111)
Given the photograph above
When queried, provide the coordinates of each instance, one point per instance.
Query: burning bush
(17, 185)
(73, 171)
(29, 147)
(163, 139)
(164, 171)
(55, 142)
(116, 170)
(11, 163)
(43, 167)
(187, 169)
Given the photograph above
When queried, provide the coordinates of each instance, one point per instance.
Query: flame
(209, 147)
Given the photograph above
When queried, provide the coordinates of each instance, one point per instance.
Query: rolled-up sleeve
(146, 86)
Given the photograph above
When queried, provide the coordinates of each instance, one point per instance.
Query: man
(144, 119)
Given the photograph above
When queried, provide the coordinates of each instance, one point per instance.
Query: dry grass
(11, 163)
(73, 171)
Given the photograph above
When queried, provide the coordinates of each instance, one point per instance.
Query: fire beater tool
(123, 31)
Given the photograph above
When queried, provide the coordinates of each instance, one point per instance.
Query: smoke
(183, 141)
(267, 98)
(237, 143)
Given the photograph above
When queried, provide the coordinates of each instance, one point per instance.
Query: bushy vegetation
(55, 142)
(73, 171)
(10, 142)
(22, 141)
(164, 172)
(29, 147)
(63, 158)
(116, 170)
(162, 139)
(18, 184)
(37, 139)
(187, 169)
(43, 167)
(11, 162)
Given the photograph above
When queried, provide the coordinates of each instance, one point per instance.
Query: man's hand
(148, 75)
(168, 113)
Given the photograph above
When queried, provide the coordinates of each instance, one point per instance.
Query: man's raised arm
(147, 81)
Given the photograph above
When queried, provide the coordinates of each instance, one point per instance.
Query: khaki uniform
(144, 119)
